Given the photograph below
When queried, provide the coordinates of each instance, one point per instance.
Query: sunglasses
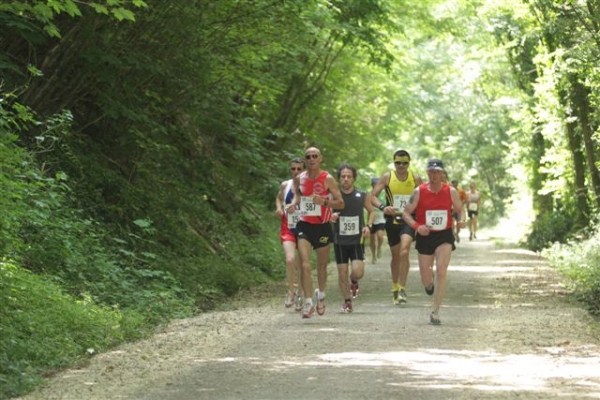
(296, 169)
(309, 156)
(401, 162)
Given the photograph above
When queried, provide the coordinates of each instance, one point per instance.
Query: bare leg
(289, 248)
(425, 262)
(373, 245)
(322, 261)
(395, 263)
(343, 281)
(358, 270)
(379, 242)
(405, 242)
(304, 250)
(442, 260)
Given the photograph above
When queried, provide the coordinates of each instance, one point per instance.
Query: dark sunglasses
(401, 162)
(296, 169)
(309, 156)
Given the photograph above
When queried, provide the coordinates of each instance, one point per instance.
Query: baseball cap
(435, 164)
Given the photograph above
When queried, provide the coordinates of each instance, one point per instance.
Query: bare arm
(409, 210)
(418, 179)
(279, 205)
(296, 200)
(370, 215)
(379, 186)
(457, 205)
(337, 202)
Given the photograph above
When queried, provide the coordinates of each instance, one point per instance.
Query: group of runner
(316, 212)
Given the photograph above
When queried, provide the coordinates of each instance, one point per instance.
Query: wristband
(416, 226)
(381, 207)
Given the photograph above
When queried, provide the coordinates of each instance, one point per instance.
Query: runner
(474, 201)
(287, 234)
(349, 229)
(316, 191)
(399, 184)
(376, 239)
(432, 204)
(463, 198)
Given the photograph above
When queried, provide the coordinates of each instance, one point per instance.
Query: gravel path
(509, 331)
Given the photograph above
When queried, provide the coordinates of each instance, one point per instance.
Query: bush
(550, 228)
(43, 329)
(580, 263)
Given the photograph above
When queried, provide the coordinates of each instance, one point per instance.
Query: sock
(396, 287)
(309, 301)
(321, 295)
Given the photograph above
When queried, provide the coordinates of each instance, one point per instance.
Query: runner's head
(401, 159)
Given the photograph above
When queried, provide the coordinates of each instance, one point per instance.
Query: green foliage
(550, 228)
(42, 328)
(579, 261)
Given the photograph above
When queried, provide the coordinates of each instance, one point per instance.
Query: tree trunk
(580, 99)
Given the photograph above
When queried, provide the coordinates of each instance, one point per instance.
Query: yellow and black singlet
(398, 192)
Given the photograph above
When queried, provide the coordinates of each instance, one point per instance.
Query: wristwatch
(381, 207)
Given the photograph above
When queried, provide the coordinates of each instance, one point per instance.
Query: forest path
(509, 331)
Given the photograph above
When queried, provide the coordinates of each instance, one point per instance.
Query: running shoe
(430, 289)
(402, 296)
(289, 300)
(298, 297)
(346, 307)
(354, 289)
(320, 303)
(308, 310)
(434, 318)
(395, 299)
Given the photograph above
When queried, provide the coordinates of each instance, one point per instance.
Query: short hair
(401, 153)
(298, 160)
(346, 166)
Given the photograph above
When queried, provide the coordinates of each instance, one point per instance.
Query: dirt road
(509, 331)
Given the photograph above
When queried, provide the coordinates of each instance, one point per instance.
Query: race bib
(349, 226)
(308, 208)
(379, 218)
(472, 206)
(292, 219)
(436, 219)
(400, 202)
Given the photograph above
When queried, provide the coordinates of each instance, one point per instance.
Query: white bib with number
(349, 226)
(379, 218)
(308, 208)
(436, 219)
(292, 219)
(472, 206)
(400, 202)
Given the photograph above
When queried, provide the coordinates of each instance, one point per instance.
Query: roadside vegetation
(142, 144)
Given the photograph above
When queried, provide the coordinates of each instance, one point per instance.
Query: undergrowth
(579, 261)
